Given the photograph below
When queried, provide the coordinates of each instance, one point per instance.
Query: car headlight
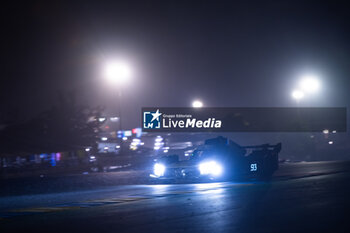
(159, 169)
(210, 168)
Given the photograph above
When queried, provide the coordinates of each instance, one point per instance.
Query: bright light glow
(310, 83)
(127, 133)
(159, 169)
(325, 131)
(158, 144)
(330, 142)
(125, 138)
(87, 149)
(135, 143)
(159, 139)
(197, 104)
(334, 131)
(210, 168)
(166, 151)
(117, 72)
(114, 119)
(106, 148)
(101, 119)
(117, 147)
(58, 156)
(297, 94)
(104, 138)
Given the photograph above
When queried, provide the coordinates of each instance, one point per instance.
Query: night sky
(232, 54)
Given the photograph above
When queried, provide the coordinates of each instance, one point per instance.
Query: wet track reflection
(283, 205)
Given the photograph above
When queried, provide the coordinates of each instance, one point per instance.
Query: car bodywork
(220, 158)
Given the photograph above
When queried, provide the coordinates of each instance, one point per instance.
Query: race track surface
(301, 197)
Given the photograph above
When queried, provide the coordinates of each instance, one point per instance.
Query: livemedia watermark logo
(268, 119)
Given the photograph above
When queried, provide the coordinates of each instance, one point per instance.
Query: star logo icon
(156, 115)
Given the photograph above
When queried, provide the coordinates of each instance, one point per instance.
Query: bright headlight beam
(159, 169)
(210, 168)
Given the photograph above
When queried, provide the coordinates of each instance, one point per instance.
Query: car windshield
(204, 152)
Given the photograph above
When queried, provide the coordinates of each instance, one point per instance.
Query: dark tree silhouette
(66, 126)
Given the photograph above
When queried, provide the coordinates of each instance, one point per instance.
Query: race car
(218, 159)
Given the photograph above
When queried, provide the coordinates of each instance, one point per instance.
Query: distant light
(127, 133)
(166, 151)
(114, 119)
(334, 131)
(125, 138)
(101, 119)
(117, 147)
(310, 83)
(104, 138)
(158, 142)
(87, 149)
(92, 158)
(159, 139)
(135, 142)
(325, 131)
(105, 148)
(330, 142)
(58, 156)
(197, 104)
(117, 72)
(297, 94)
(138, 132)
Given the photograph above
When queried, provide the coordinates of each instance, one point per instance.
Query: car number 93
(253, 167)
